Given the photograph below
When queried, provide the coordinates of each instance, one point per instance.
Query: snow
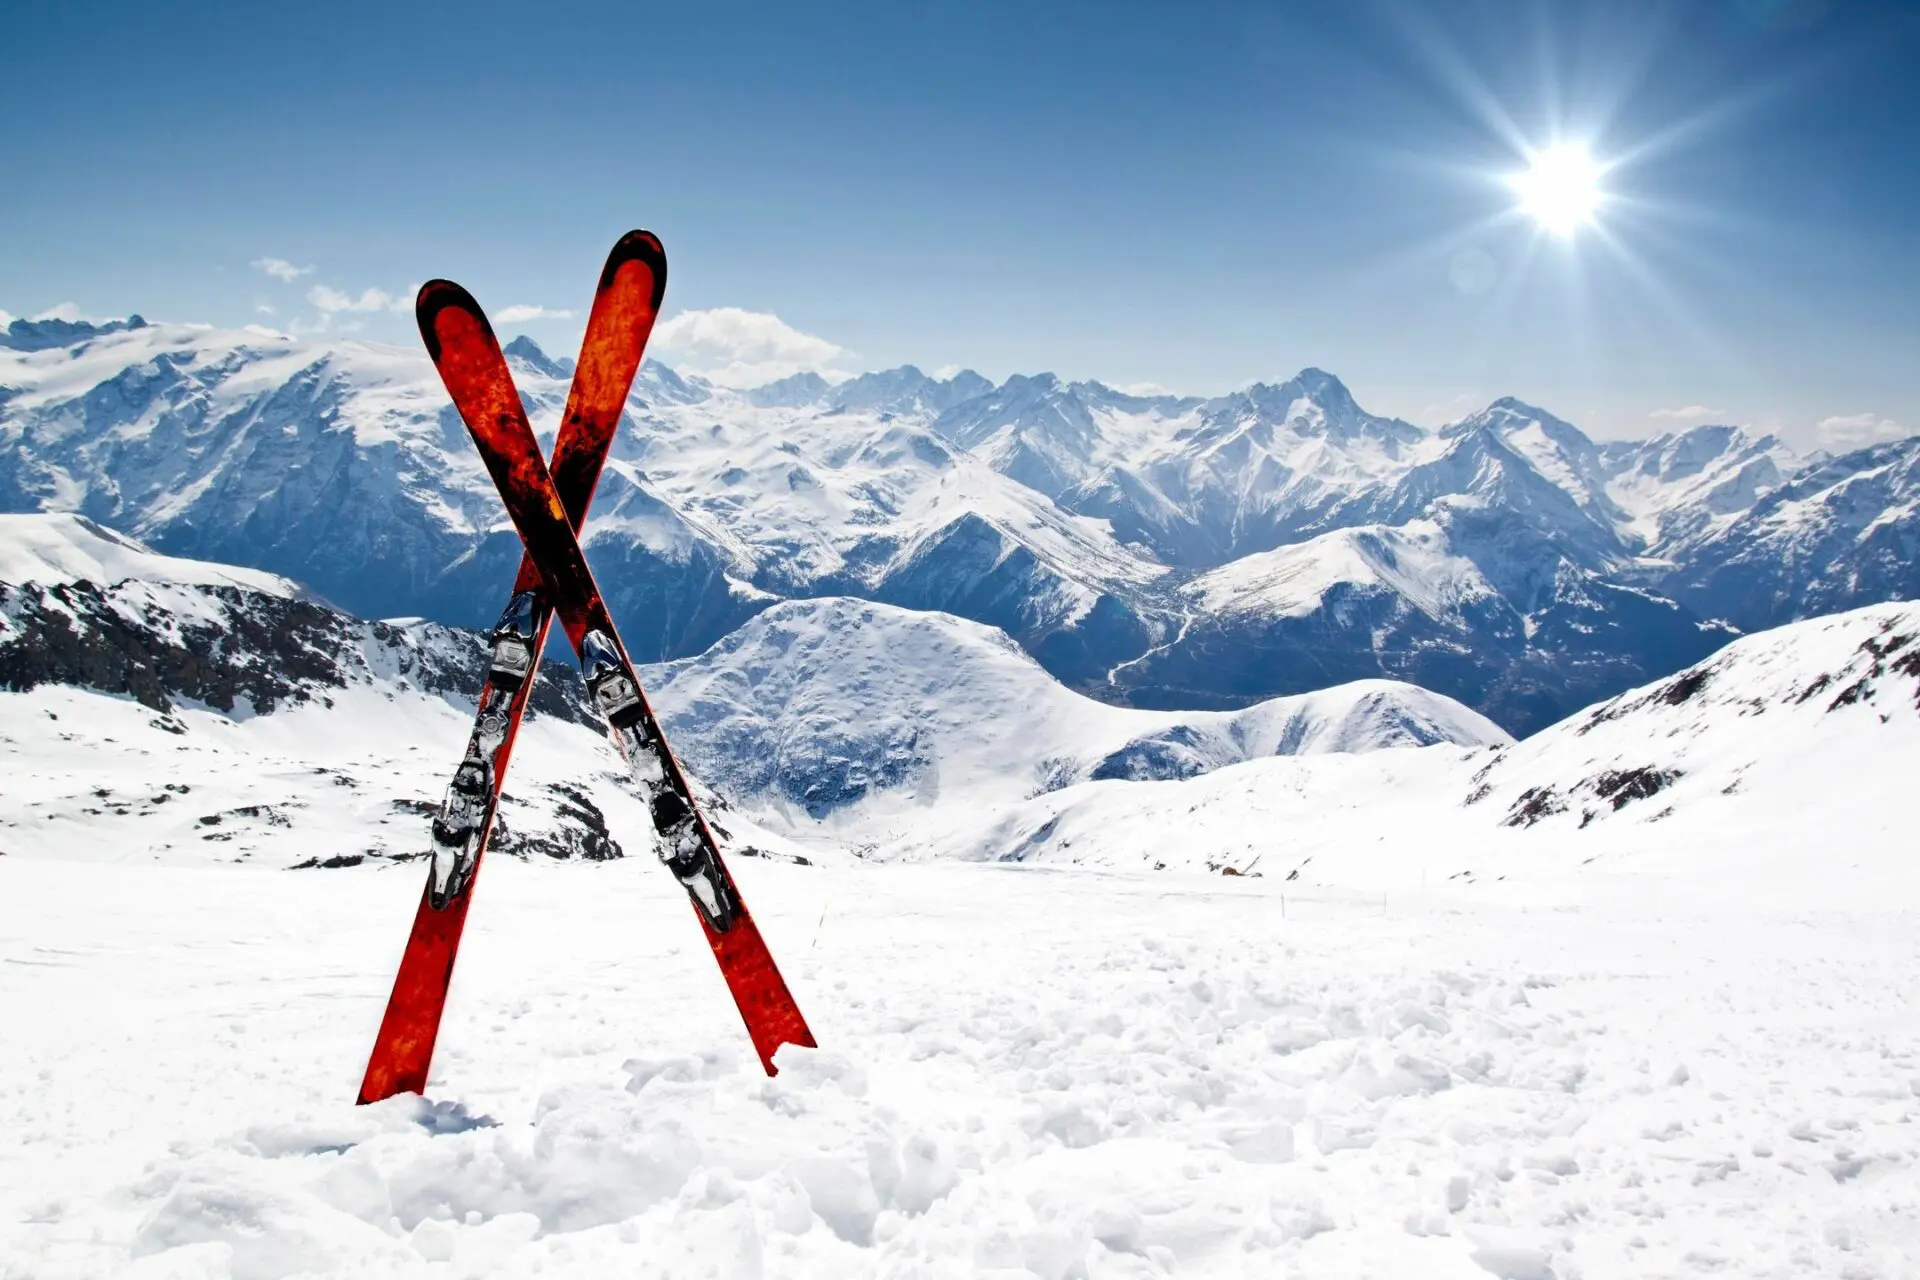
(1415, 561)
(1674, 487)
(1766, 773)
(1204, 1077)
(66, 548)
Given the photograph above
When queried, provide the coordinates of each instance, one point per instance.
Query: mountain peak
(789, 392)
(1516, 407)
(528, 352)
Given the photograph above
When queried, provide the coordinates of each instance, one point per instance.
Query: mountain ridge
(1071, 515)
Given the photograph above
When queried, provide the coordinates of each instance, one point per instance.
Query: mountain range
(1160, 551)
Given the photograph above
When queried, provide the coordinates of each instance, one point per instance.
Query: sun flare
(1560, 188)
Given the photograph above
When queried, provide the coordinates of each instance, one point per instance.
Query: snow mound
(829, 704)
(58, 548)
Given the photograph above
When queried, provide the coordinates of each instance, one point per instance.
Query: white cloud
(1857, 430)
(1689, 413)
(68, 311)
(739, 348)
(330, 300)
(1143, 389)
(263, 309)
(280, 268)
(521, 311)
(6, 318)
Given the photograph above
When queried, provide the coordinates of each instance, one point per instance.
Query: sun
(1560, 188)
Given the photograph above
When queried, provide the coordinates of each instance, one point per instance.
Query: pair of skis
(547, 506)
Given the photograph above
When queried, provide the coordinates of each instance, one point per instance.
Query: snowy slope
(826, 704)
(1772, 771)
(1412, 561)
(68, 548)
(1819, 708)
(171, 715)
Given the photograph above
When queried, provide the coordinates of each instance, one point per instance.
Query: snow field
(1024, 1073)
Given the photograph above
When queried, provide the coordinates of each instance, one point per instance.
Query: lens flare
(1560, 188)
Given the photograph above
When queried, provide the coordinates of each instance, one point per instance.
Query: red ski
(468, 356)
(624, 308)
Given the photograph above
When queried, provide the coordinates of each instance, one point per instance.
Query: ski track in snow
(1023, 1072)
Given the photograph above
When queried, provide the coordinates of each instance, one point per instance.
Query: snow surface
(57, 547)
(1024, 1073)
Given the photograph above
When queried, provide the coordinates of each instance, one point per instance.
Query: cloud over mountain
(734, 347)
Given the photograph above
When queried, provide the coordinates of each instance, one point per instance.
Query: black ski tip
(642, 247)
(436, 296)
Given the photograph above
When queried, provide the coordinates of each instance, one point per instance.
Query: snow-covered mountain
(1843, 531)
(1130, 544)
(1820, 707)
(825, 704)
(170, 709)
(1677, 486)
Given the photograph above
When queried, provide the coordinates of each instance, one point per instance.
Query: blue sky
(1193, 196)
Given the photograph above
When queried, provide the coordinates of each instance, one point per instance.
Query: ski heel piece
(613, 690)
(684, 851)
(513, 635)
(456, 831)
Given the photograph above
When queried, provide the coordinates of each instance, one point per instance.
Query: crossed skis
(547, 508)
